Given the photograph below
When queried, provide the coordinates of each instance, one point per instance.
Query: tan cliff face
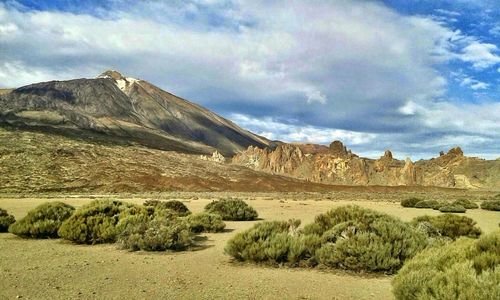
(340, 166)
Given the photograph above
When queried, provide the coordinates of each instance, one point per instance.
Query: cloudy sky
(414, 76)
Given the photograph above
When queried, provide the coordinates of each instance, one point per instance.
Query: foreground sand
(56, 269)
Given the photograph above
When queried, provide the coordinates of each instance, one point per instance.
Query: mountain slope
(40, 162)
(124, 107)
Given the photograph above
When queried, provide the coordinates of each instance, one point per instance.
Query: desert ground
(57, 269)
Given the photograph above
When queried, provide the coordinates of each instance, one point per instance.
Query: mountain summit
(127, 108)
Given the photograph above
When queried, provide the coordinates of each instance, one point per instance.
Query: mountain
(125, 108)
(338, 165)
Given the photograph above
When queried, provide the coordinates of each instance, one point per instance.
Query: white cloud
(352, 70)
(495, 30)
(481, 119)
(448, 12)
(274, 129)
(315, 96)
(473, 83)
(481, 55)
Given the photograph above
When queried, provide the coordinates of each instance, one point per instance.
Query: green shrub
(232, 210)
(451, 226)
(440, 204)
(491, 205)
(427, 204)
(347, 237)
(146, 233)
(43, 221)
(410, 202)
(173, 205)
(464, 269)
(5, 220)
(264, 242)
(465, 203)
(452, 208)
(302, 251)
(97, 222)
(205, 222)
(367, 240)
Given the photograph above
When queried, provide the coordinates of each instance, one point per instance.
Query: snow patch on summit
(124, 83)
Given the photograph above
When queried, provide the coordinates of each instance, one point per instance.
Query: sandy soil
(56, 269)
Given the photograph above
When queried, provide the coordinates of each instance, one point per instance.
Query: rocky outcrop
(339, 165)
(216, 157)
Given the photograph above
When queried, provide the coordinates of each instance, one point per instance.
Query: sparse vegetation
(347, 237)
(491, 205)
(205, 222)
(173, 205)
(231, 209)
(43, 221)
(5, 220)
(464, 269)
(452, 208)
(451, 226)
(97, 222)
(465, 203)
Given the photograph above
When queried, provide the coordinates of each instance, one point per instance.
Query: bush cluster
(156, 226)
(428, 204)
(43, 221)
(174, 205)
(465, 203)
(450, 225)
(464, 269)
(5, 220)
(457, 206)
(149, 233)
(491, 205)
(410, 202)
(232, 210)
(347, 237)
(97, 222)
(205, 222)
(452, 208)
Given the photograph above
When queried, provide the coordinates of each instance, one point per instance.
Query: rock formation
(216, 157)
(340, 166)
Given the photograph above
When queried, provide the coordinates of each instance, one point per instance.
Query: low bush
(465, 203)
(451, 226)
(265, 242)
(440, 204)
(5, 220)
(452, 208)
(43, 221)
(232, 210)
(427, 204)
(205, 222)
(97, 222)
(141, 232)
(173, 205)
(464, 269)
(364, 240)
(410, 202)
(491, 205)
(347, 237)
